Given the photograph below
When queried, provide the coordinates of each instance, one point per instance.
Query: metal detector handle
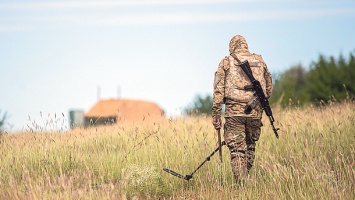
(220, 145)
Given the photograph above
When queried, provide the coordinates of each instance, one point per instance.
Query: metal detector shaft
(189, 176)
(208, 157)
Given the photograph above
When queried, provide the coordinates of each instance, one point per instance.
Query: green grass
(314, 158)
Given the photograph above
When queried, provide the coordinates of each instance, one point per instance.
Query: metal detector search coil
(186, 177)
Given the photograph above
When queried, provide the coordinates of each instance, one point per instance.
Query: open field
(313, 159)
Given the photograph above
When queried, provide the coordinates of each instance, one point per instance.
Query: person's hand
(217, 123)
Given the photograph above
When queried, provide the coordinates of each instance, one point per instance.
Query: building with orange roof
(112, 111)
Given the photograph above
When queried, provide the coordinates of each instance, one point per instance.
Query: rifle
(259, 93)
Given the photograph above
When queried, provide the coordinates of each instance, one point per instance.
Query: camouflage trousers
(241, 134)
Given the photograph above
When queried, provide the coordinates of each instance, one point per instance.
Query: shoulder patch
(217, 78)
(225, 62)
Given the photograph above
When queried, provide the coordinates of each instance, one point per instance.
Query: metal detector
(189, 176)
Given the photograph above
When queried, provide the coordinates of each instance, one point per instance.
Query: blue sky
(55, 54)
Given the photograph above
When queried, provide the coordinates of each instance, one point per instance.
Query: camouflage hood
(238, 45)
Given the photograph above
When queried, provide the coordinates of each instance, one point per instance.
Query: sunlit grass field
(314, 158)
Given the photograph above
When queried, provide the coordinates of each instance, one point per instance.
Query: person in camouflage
(241, 131)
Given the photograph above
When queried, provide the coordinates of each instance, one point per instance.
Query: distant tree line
(326, 79)
(201, 105)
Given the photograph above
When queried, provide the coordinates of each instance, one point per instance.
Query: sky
(57, 56)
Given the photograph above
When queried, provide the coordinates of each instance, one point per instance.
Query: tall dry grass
(313, 159)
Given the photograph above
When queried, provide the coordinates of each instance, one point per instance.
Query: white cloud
(19, 21)
(114, 4)
(14, 28)
(95, 19)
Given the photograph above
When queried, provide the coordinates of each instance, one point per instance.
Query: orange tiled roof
(125, 109)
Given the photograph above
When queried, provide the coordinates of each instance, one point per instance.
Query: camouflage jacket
(229, 84)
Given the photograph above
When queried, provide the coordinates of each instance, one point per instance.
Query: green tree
(289, 87)
(331, 77)
(348, 74)
(325, 79)
(2, 122)
(200, 105)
